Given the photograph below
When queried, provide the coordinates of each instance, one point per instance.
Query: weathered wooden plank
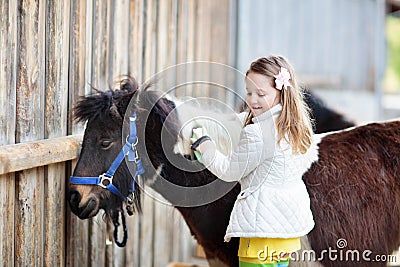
(109, 249)
(7, 196)
(203, 53)
(97, 240)
(90, 28)
(147, 252)
(219, 44)
(8, 39)
(162, 35)
(192, 39)
(8, 28)
(101, 78)
(30, 83)
(119, 39)
(136, 46)
(133, 246)
(29, 218)
(54, 224)
(78, 81)
(77, 245)
(176, 244)
(57, 50)
(136, 38)
(30, 126)
(182, 43)
(182, 249)
(38, 153)
(166, 45)
(204, 30)
(162, 236)
(166, 34)
(190, 19)
(100, 48)
(172, 23)
(182, 32)
(150, 51)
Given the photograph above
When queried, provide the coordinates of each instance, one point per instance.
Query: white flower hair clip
(282, 79)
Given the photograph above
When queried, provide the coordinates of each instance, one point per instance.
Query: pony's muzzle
(83, 209)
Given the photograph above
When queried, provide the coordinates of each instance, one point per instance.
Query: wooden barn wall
(50, 54)
(332, 43)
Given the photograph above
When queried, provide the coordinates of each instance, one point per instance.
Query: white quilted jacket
(274, 201)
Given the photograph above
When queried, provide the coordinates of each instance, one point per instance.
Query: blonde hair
(293, 124)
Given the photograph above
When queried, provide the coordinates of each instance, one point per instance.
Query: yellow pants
(263, 252)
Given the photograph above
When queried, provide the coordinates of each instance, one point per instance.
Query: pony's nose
(83, 207)
(74, 200)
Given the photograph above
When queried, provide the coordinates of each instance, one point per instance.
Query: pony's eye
(105, 144)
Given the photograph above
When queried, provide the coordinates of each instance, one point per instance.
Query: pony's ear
(128, 84)
(115, 113)
(126, 90)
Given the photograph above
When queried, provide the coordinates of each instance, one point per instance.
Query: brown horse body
(353, 185)
(355, 192)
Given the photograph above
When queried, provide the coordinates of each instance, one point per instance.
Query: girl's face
(261, 95)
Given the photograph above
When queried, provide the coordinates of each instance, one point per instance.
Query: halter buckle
(136, 156)
(105, 180)
(133, 148)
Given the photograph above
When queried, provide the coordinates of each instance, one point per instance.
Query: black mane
(325, 118)
(100, 104)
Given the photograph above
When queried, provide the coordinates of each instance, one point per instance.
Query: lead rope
(116, 225)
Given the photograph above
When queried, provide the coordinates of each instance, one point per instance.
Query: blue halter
(105, 180)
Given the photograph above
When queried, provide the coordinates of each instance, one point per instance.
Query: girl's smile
(261, 94)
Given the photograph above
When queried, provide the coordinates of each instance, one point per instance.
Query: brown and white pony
(353, 185)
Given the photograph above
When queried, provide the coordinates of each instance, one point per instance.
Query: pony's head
(104, 113)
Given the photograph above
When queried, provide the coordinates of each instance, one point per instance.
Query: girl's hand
(198, 133)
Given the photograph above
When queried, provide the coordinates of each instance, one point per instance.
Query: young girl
(272, 211)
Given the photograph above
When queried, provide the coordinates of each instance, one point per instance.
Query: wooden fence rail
(38, 153)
